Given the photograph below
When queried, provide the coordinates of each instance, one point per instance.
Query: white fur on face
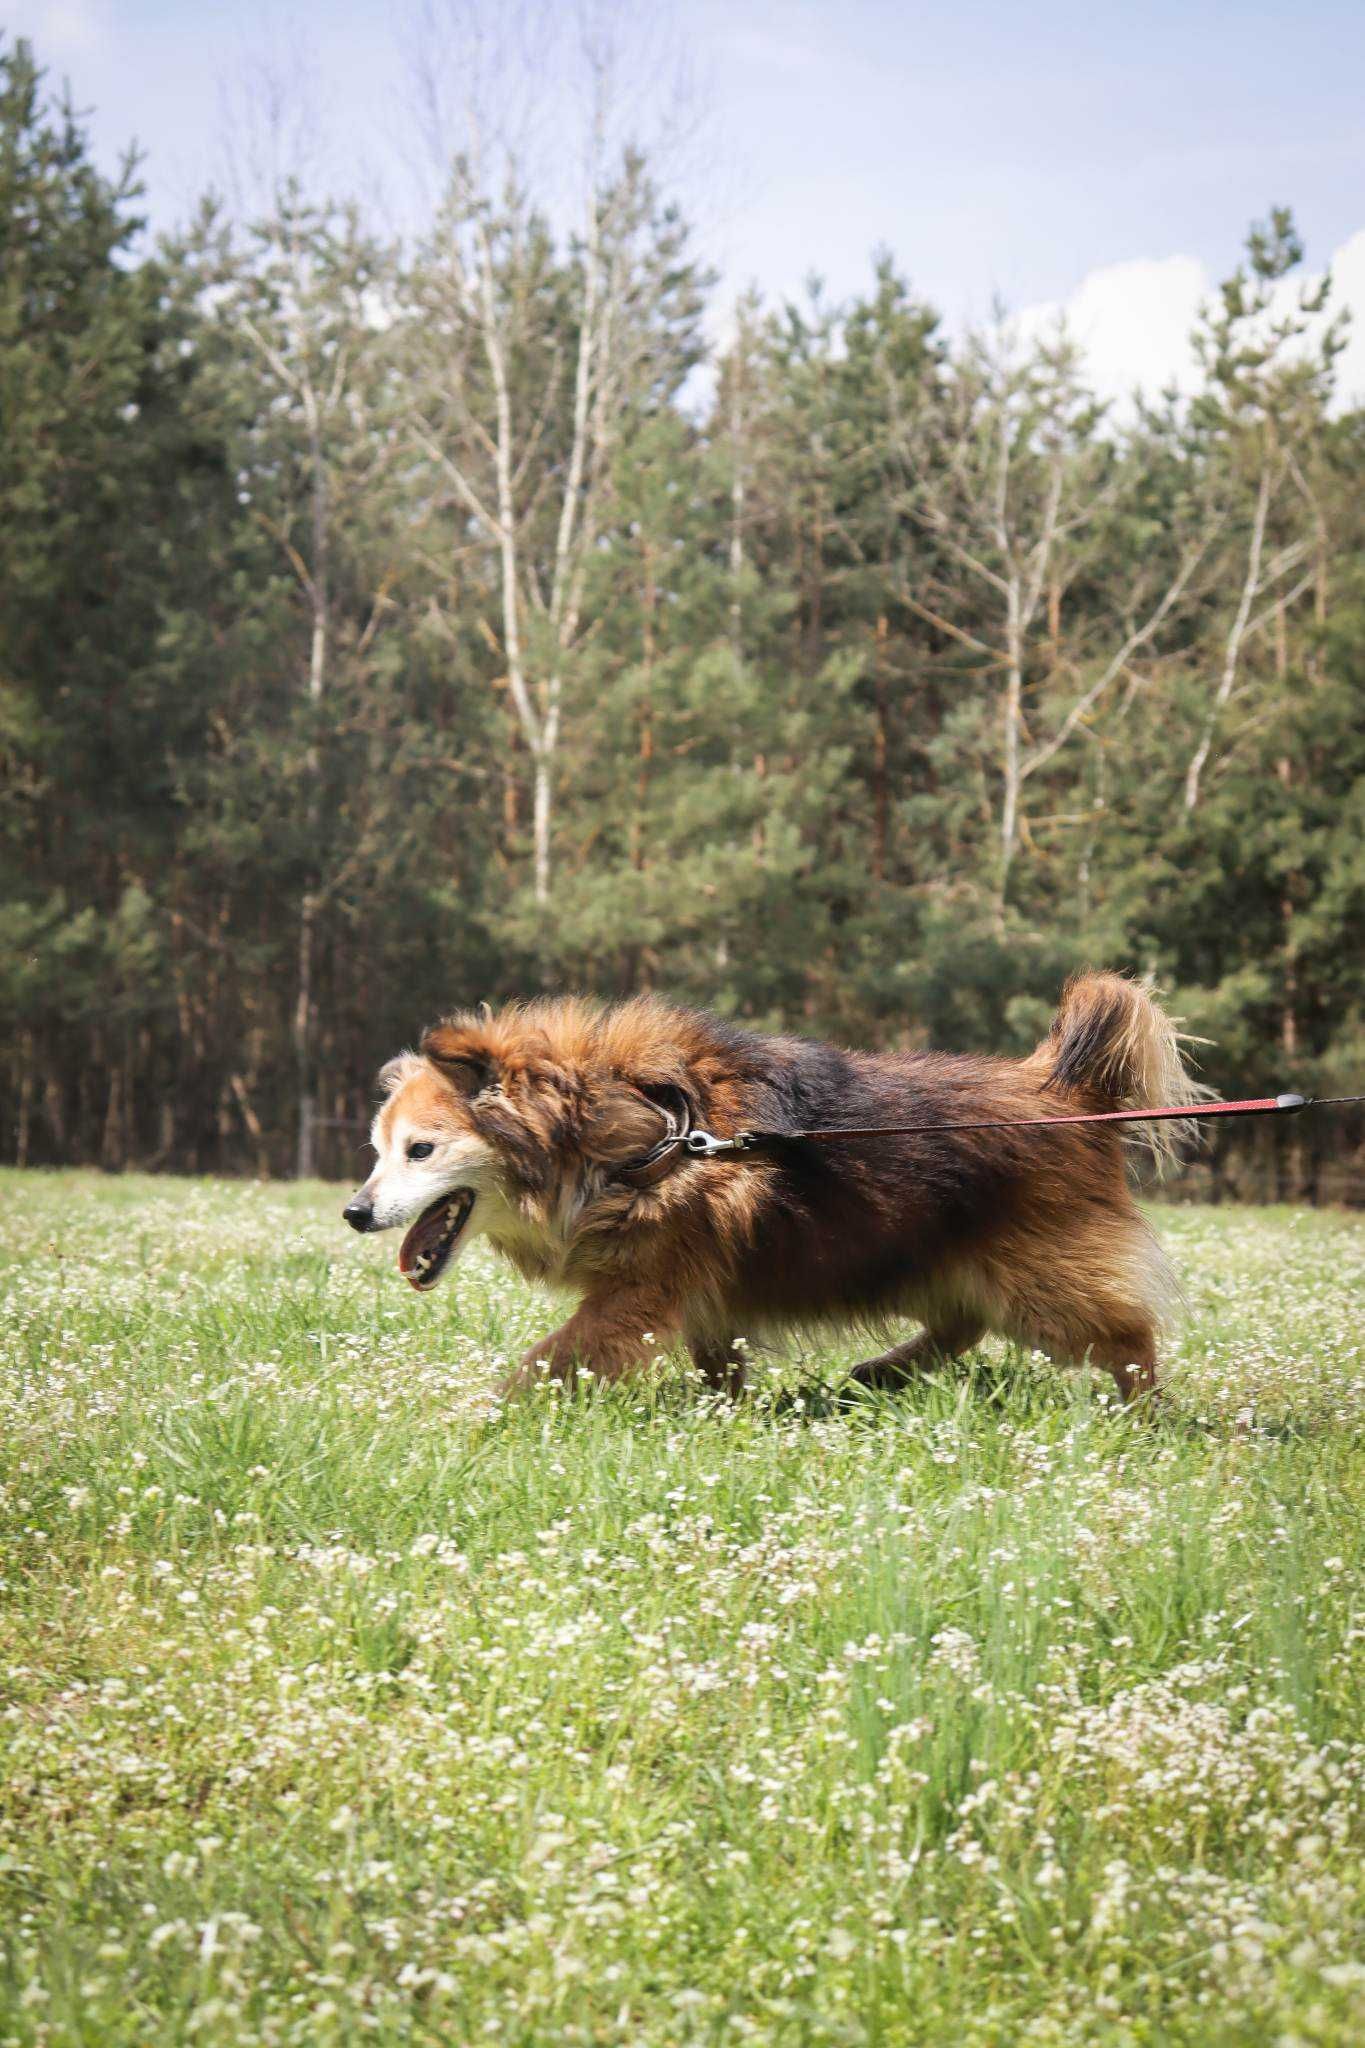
(400, 1188)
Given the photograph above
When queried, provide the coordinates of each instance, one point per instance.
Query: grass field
(338, 1707)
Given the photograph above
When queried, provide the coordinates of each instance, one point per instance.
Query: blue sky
(1100, 158)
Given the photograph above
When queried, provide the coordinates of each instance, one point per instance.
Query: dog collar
(681, 1141)
(662, 1158)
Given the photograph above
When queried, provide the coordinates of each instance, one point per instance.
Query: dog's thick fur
(1032, 1234)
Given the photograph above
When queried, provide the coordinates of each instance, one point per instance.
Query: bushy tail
(1111, 1042)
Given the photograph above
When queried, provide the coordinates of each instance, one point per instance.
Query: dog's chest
(537, 1249)
(546, 1246)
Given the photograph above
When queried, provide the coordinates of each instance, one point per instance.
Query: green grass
(340, 1707)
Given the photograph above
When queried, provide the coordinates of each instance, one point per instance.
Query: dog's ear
(676, 1100)
(465, 1063)
(396, 1071)
(620, 1123)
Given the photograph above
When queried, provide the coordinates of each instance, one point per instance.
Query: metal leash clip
(702, 1145)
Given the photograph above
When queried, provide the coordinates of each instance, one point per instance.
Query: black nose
(359, 1214)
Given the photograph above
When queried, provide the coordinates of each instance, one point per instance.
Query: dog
(557, 1129)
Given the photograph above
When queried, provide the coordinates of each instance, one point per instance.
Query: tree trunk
(305, 1151)
(1232, 653)
(23, 1121)
(880, 793)
(110, 1149)
(54, 1109)
(645, 750)
(540, 825)
(1014, 702)
(305, 1155)
(253, 1125)
(737, 493)
(1295, 1156)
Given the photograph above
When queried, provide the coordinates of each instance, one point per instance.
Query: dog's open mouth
(425, 1252)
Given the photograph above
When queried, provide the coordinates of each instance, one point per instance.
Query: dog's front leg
(610, 1336)
(721, 1365)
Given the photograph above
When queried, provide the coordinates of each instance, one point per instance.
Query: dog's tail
(1112, 1042)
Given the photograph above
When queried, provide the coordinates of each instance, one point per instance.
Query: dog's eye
(422, 1149)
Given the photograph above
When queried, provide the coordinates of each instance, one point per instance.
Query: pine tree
(104, 480)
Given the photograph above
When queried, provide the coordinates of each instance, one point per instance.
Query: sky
(1101, 160)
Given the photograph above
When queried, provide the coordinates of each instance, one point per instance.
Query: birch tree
(1012, 488)
(529, 356)
(306, 296)
(1268, 356)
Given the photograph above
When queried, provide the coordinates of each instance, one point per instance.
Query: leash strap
(1255, 1105)
(696, 1143)
(702, 1145)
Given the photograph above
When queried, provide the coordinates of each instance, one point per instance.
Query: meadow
(340, 1705)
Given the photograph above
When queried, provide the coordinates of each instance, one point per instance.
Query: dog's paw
(525, 1378)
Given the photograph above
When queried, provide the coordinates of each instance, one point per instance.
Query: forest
(390, 622)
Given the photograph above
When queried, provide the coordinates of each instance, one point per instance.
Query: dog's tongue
(425, 1234)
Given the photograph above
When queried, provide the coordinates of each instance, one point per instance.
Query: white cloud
(1134, 319)
(1348, 289)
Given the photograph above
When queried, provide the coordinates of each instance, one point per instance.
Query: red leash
(1255, 1105)
(704, 1146)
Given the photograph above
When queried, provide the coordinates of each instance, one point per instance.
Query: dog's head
(507, 1125)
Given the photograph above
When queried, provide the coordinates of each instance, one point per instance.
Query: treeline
(386, 627)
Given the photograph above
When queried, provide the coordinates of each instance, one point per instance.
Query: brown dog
(554, 1130)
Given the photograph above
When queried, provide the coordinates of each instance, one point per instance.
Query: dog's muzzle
(359, 1213)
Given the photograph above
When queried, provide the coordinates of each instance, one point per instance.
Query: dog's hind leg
(942, 1342)
(1095, 1301)
(1129, 1356)
(1126, 1351)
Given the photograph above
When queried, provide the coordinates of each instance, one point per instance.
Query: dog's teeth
(453, 1224)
